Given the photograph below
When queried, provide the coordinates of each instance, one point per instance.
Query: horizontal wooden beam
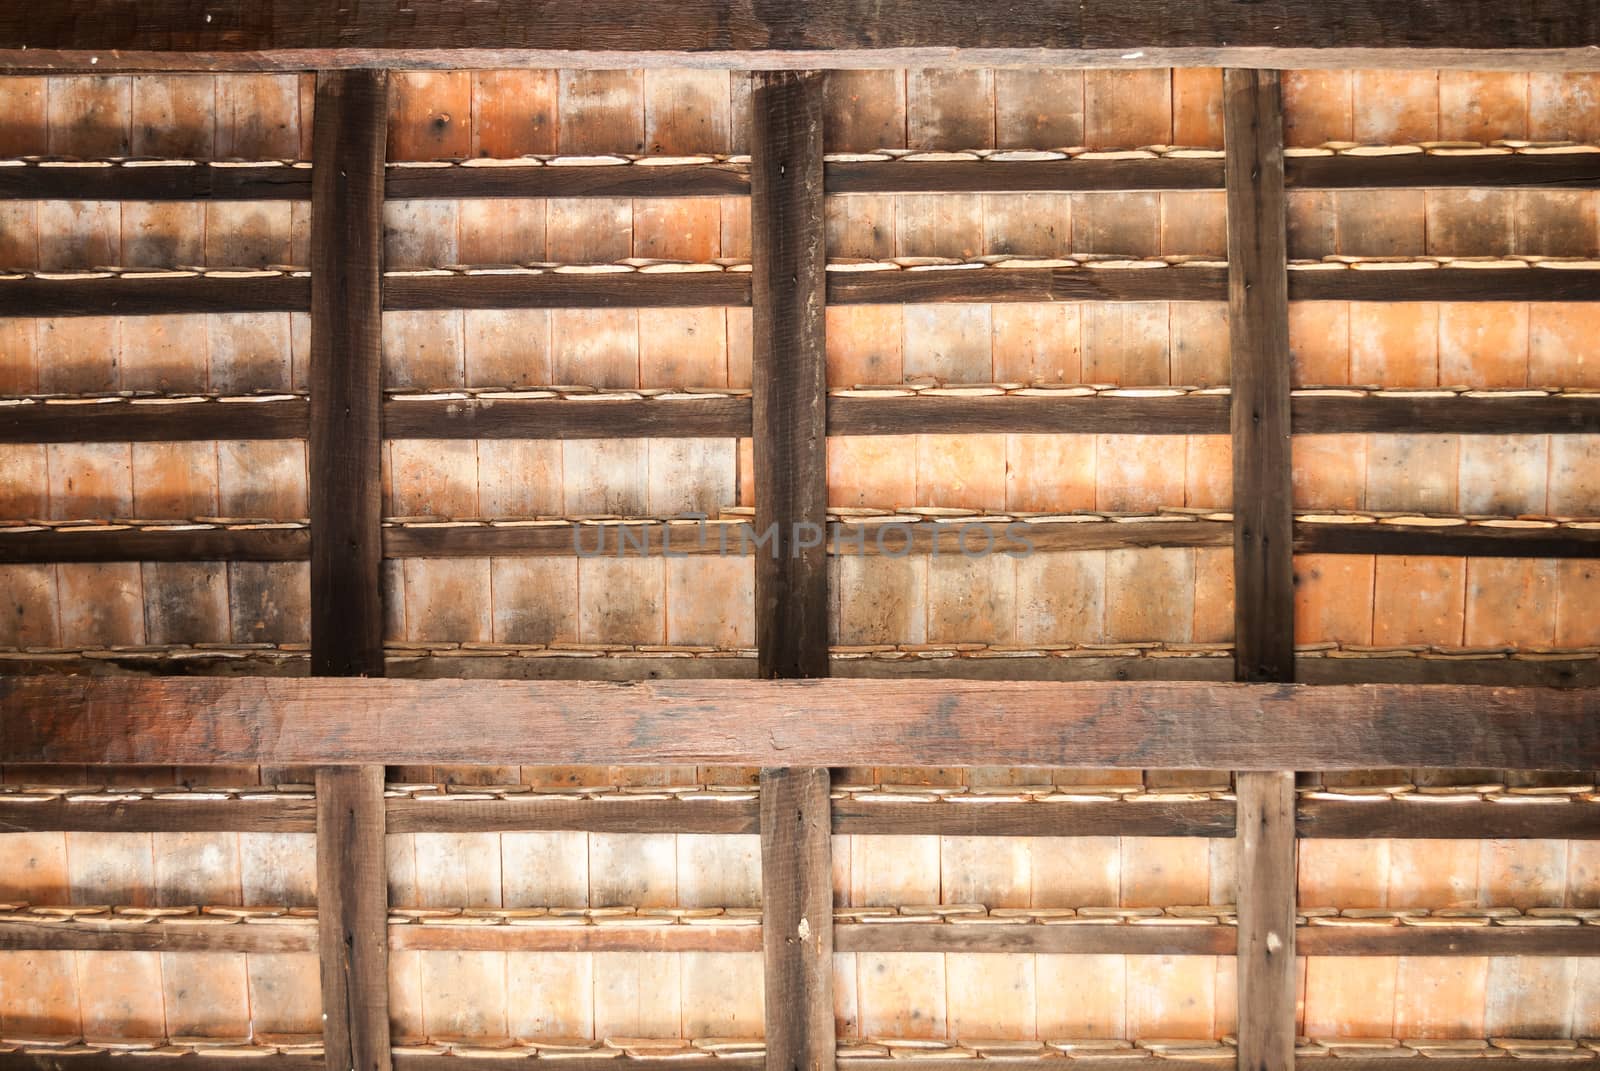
(1565, 171)
(561, 290)
(1189, 414)
(1528, 818)
(288, 721)
(976, 818)
(973, 535)
(156, 545)
(149, 421)
(558, 418)
(1447, 284)
(1447, 941)
(1091, 939)
(1466, 540)
(581, 938)
(123, 296)
(167, 181)
(80, 815)
(822, 33)
(158, 937)
(613, 180)
(1557, 414)
(611, 814)
(1027, 284)
(1023, 176)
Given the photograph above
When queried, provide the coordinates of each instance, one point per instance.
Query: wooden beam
(985, 285)
(1466, 540)
(181, 544)
(347, 374)
(1465, 940)
(1023, 176)
(125, 296)
(936, 722)
(79, 815)
(659, 538)
(611, 814)
(1557, 414)
(1266, 891)
(558, 418)
(1258, 331)
(1085, 819)
(1426, 171)
(1447, 284)
(183, 180)
(352, 915)
(54, 935)
(797, 920)
(1107, 938)
(564, 290)
(1189, 414)
(789, 374)
(741, 33)
(620, 180)
(1435, 817)
(150, 420)
(681, 937)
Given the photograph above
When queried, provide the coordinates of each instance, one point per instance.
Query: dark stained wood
(1258, 328)
(1474, 541)
(1140, 725)
(1448, 284)
(118, 422)
(1408, 819)
(797, 916)
(978, 176)
(487, 418)
(147, 545)
(1452, 941)
(513, 938)
(652, 538)
(199, 182)
(789, 396)
(1420, 170)
(1193, 414)
(1555, 415)
(1583, 673)
(151, 297)
(1093, 939)
(157, 937)
(553, 290)
(45, 1060)
(346, 375)
(1186, 819)
(1266, 905)
(1027, 284)
(734, 33)
(352, 910)
(665, 180)
(611, 815)
(159, 816)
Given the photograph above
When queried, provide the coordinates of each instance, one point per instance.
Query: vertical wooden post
(346, 373)
(1263, 562)
(1258, 325)
(353, 918)
(346, 548)
(797, 918)
(1266, 921)
(789, 373)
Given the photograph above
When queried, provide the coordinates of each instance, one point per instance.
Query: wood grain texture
(159, 816)
(152, 297)
(199, 182)
(1027, 284)
(1026, 937)
(352, 916)
(1465, 34)
(1258, 319)
(484, 418)
(347, 369)
(1266, 901)
(603, 939)
(789, 381)
(1467, 541)
(612, 815)
(1447, 284)
(285, 721)
(203, 545)
(116, 423)
(1017, 415)
(1555, 415)
(1209, 819)
(664, 180)
(797, 911)
(565, 291)
(158, 937)
(1338, 819)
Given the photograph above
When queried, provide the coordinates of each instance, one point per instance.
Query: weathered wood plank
(1027, 284)
(797, 919)
(1107, 939)
(553, 290)
(286, 418)
(347, 372)
(663, 180)
(1209, 819)
(1475, 541)
(1403, 819)
(611, 815)
(1195, 414)
(155, 545)
(1447, 284)
(1258, 326)
(1266, 903)
(183, 182)
(513, 938)
(489, 418)
(156, 937)
(789, 399)
(352, 915)
(152, 297)
(282, 721)
(158, 816)
(735, 33)
(1555, 415)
